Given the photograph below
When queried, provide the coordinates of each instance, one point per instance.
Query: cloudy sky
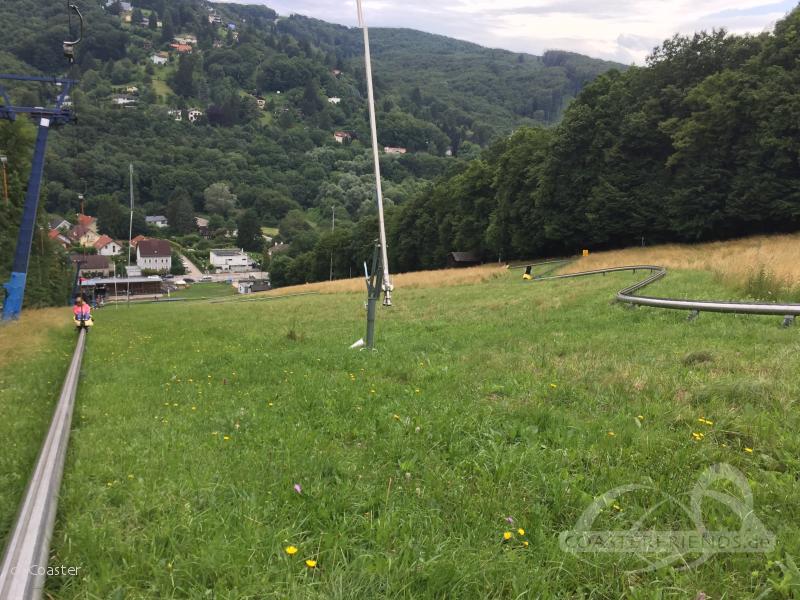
(622, 30)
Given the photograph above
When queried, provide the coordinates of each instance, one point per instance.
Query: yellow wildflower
(507, 536)
(521, 531)
(525, 543)
(291, 550)
(553, 385)
(748, 450)
(311, 564)
(226, 437)
(611, 434)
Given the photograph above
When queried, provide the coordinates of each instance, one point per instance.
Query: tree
(249, 235)
(167, 27)
(112, 218)
(219, 199)
(180, 212)
(183, 82)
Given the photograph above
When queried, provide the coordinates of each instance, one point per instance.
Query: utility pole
(333, 227)
(4, 162)
(386, 281)
(130, 236)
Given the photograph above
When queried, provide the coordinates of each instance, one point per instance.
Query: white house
(334, 100)
(161, 58)
(106, 246)
(230, 260)
(176, 114)
(188, 40)
(159, 221)
(155, 255)
(341, 136)
(195, 114)
(123, 100)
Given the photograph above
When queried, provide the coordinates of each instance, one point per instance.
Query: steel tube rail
(22, 572)
(627, 295)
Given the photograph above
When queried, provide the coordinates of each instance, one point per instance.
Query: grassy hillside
(760, 267)
(501, 399)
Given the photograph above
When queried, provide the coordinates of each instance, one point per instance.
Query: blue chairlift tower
(46, 119)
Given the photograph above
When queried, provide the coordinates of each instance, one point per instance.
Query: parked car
(206, 278)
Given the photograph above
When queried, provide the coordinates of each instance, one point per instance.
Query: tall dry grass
(419, 279)
(20, 339)
(737, 262)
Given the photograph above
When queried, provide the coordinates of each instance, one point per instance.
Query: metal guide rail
(627, 295)
(22, 572)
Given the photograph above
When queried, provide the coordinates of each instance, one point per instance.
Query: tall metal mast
(387, 283)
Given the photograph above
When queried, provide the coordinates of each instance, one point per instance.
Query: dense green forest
(702, 143)
(265, 94)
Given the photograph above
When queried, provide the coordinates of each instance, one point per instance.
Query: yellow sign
(586, 253)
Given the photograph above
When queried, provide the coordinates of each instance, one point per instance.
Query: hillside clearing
(735, 262)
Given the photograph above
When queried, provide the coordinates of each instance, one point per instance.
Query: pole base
(15, 292)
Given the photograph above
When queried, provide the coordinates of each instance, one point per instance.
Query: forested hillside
(701, 144)
(229, 112)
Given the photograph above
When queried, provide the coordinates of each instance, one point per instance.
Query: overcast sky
(622, 30)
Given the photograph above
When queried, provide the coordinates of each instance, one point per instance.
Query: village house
(87, 221)
(160, 58)
(83, 236)
(202, 226)
(154, 255)
(194, 114)
(181, 48)
(60, 224)
(334, 100)
(176, 114)
(123, 100)
(159, 221)
(187, 40)
(341, 136)
(106, 246)
(230, 260)
(393, 150)
(92, 265)
(135, 241)
(59, 238)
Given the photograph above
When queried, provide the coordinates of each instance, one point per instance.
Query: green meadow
(217, 447)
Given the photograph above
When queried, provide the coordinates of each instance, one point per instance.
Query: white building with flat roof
(230, 260)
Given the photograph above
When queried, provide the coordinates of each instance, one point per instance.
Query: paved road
(191, 270)
(194, 273)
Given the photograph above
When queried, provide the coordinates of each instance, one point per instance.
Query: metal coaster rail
(628, 295)
(22, 572)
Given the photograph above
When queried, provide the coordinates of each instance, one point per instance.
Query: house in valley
(154, 255)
